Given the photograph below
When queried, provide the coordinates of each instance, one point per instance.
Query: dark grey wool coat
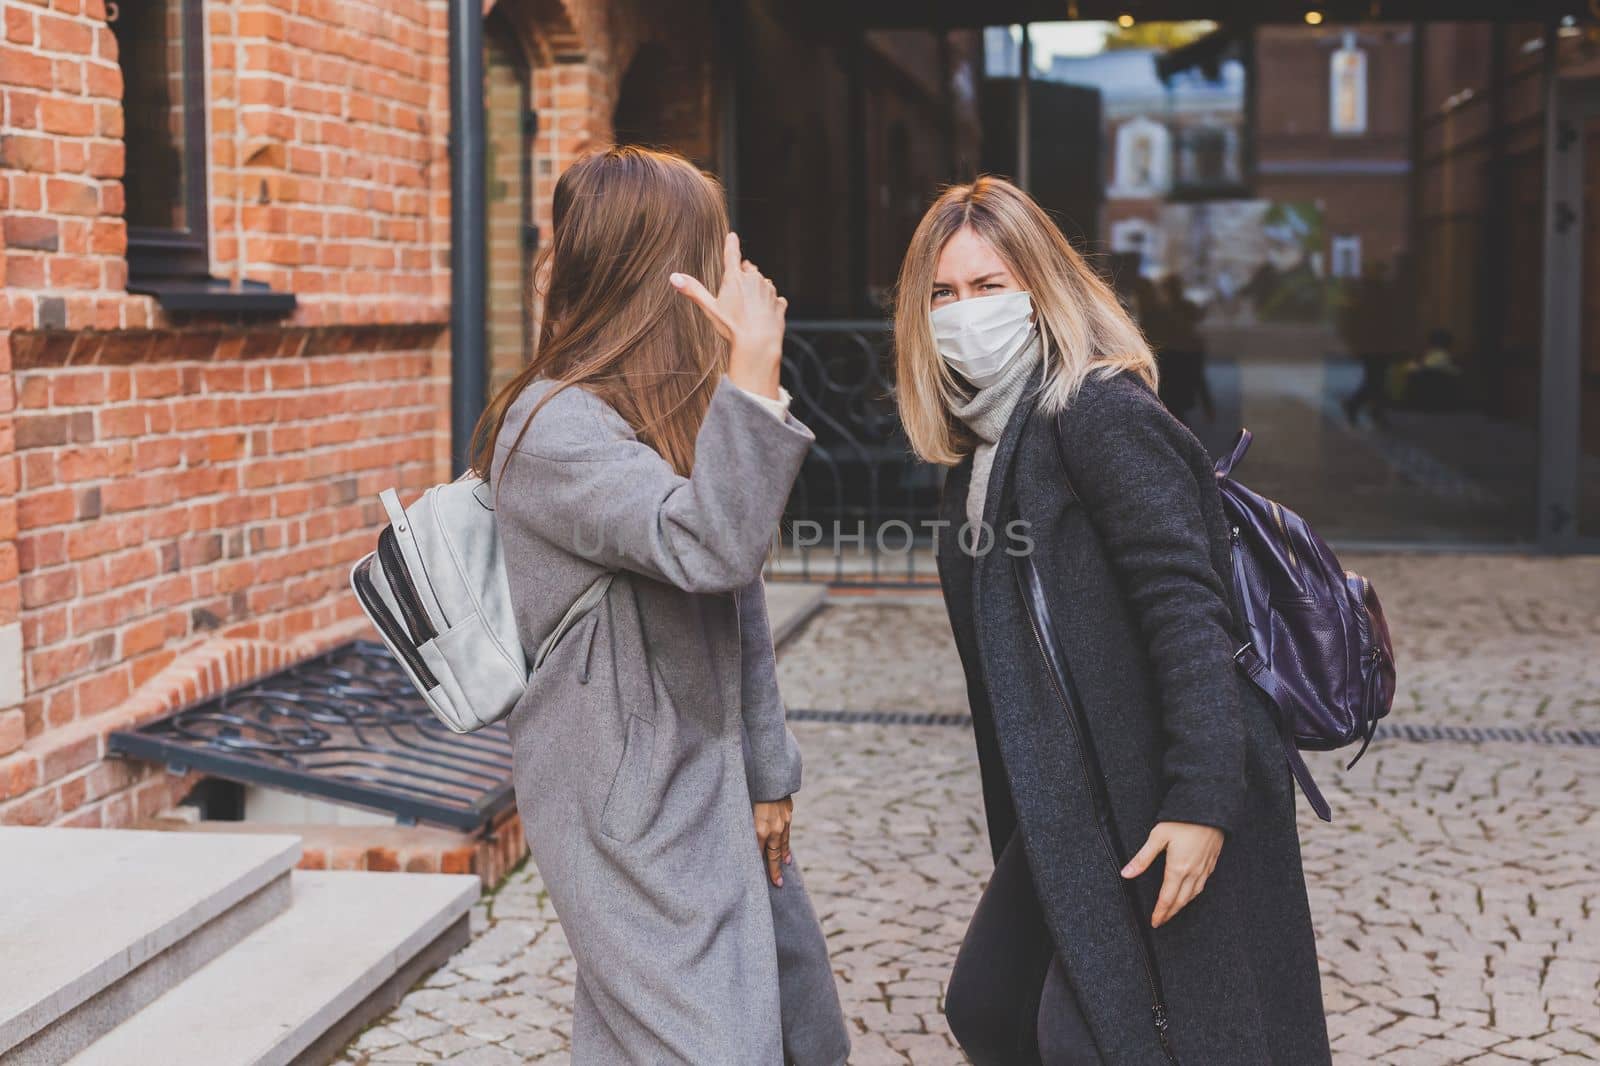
(1131, 545)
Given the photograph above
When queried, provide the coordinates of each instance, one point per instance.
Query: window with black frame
(161, 50)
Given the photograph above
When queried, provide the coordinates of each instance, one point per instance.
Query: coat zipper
(399, 642)
(405, 593)
(1158, 1006)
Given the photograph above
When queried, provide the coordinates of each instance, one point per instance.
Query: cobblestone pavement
(1457, 898)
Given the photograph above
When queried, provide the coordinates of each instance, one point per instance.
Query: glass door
(1569, 504)
(1587, 485)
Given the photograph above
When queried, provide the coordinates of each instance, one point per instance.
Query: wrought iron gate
(861, 506)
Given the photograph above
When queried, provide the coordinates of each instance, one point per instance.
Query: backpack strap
(1241, 444)
(391, 506)
(1246, 658)
(1255, 668)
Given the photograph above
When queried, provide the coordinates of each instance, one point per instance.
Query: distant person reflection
(1432, 381)
(1370, 324)
(1171, 323)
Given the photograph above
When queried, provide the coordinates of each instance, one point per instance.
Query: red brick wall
(1292, 126)
(11, 724)
(507, 97)
(328, 173)
(196, 488)
(165, 498)
(62, 153)
(326, 124)
(181, 498)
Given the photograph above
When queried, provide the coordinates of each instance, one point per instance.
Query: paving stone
(447, 1044)
(402, 1053)
(1575, 1042)
(486, 1055)
(1527, 1050)
(377, 1038)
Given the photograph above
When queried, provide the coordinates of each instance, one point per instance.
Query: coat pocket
(588, 650)
(624, 816)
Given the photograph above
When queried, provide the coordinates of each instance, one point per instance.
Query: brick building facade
(184, 484)
(182, 492)
(1359, 176)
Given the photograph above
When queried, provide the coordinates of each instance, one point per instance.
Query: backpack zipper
(405, 593)
(399, 642)
(1095, 785)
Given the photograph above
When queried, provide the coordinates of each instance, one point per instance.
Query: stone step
(301, 986)
(790, 604)
(97, 923)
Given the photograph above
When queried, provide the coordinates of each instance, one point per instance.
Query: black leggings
(1009, 1003)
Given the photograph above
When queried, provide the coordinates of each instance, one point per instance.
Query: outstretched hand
(748, 311)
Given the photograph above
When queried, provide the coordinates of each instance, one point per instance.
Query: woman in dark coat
(1148, 904)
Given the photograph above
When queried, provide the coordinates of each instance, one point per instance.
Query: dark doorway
(654, 110)
(643, 101)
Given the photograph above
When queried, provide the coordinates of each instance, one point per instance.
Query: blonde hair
(1082, 324)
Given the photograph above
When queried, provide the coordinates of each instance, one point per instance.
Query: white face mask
(980, 338)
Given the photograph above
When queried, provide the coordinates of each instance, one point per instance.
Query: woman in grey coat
(1148, 904)
(649, 440)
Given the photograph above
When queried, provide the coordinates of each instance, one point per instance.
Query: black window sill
(214, 296)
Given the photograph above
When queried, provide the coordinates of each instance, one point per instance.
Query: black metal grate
(345, 726)
(1420, 734)
(880, 717)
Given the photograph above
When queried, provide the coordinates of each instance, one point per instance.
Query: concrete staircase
(169, 949)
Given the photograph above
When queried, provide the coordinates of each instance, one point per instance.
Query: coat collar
(953, 501)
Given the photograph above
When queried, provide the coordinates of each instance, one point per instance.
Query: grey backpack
(436, 589)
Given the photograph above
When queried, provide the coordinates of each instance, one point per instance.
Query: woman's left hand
(772, 835)
(1192, 852)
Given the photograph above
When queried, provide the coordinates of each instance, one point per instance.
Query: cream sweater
(986, 413)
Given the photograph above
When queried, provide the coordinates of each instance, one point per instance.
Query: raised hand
(748, 311)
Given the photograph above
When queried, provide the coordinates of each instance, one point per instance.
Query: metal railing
(859, 507)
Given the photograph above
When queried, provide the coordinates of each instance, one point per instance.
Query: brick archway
(657, 103)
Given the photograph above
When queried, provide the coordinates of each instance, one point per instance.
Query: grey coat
(653, 725)
(1131, 545)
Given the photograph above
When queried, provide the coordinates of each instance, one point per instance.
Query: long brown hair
(1084, 328)
(624, 220)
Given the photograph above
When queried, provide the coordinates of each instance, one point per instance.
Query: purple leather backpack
(1318, 644)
